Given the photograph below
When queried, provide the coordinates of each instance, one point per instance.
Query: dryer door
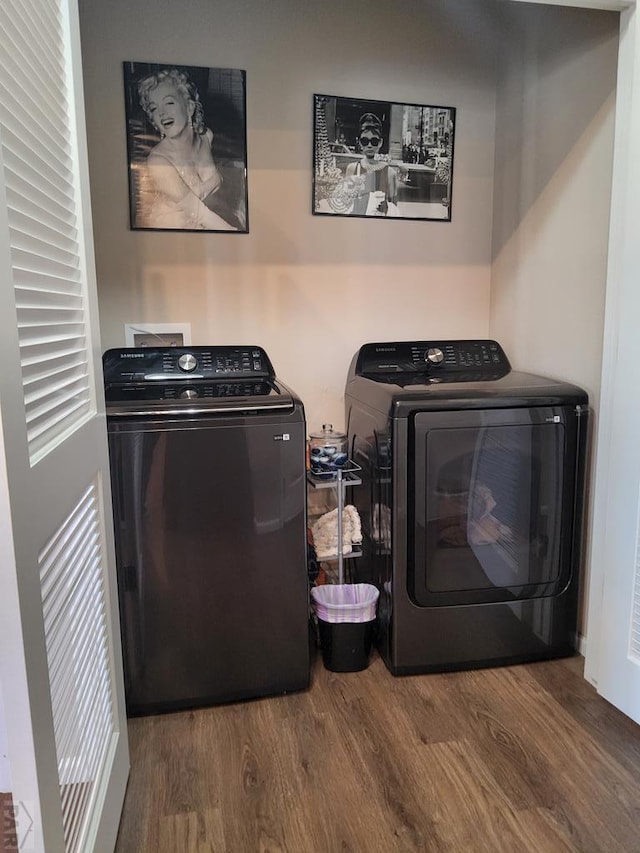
(493, 505)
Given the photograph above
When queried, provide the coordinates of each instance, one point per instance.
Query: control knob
(434, 355)
(187, 362)
(189, 394)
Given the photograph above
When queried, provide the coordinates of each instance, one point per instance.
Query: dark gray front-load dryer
(471, 503)
(207, 451)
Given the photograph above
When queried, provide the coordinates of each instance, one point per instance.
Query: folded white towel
(356, 528)
(325, 532)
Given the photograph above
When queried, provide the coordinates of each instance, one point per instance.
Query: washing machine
(471, 503)
(207, 455)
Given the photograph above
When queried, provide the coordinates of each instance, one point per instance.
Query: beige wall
(309, 289)
(554, 152)
(523, 259)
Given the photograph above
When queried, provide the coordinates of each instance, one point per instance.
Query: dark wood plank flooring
(514, 759)
(8, 830)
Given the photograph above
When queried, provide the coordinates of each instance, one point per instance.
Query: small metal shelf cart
(341, 480)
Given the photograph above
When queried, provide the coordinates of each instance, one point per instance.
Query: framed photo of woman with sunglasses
(381, 159)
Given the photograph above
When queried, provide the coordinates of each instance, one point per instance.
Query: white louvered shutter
(41, 195)
(60, 656)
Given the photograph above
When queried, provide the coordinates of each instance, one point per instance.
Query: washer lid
(196, 397)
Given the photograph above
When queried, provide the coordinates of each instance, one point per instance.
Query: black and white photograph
(187, 147)
(377, 158)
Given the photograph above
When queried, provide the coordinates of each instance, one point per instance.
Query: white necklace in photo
(374, 166)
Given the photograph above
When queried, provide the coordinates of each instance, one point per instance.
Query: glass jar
(327, 451)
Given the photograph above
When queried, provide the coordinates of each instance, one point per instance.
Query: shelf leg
(340, 497)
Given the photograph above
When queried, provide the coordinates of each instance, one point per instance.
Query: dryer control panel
(433, 361)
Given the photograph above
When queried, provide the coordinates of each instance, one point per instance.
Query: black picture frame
(198, 144)
(404, 170)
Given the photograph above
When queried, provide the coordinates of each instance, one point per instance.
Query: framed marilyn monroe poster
(187, 149)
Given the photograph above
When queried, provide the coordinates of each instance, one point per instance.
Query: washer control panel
(164, 364)
(434, 361)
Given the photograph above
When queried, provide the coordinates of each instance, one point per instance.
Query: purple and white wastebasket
(346, 618)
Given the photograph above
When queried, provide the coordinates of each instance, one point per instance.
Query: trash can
(346, 616)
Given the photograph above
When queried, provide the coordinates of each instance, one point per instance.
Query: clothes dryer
(471, 503)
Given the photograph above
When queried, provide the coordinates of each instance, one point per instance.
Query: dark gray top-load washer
(207, 451)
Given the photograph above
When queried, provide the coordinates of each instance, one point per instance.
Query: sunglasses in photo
(370, 140)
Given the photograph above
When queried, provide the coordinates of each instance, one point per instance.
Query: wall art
(187, 147)
(382, 159)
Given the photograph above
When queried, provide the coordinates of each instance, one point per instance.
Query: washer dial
(187, 362)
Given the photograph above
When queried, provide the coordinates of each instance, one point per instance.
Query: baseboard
(581, 644)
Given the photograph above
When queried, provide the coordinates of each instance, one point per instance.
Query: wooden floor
(525, 758)
(8, 833)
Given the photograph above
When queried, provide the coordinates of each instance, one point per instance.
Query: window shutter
(48, 270)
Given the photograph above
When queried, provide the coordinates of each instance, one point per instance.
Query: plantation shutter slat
(31, 206)
(54, 150)
(37, 157)
(23, 179)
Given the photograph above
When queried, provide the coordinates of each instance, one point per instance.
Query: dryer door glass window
(490, 505)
